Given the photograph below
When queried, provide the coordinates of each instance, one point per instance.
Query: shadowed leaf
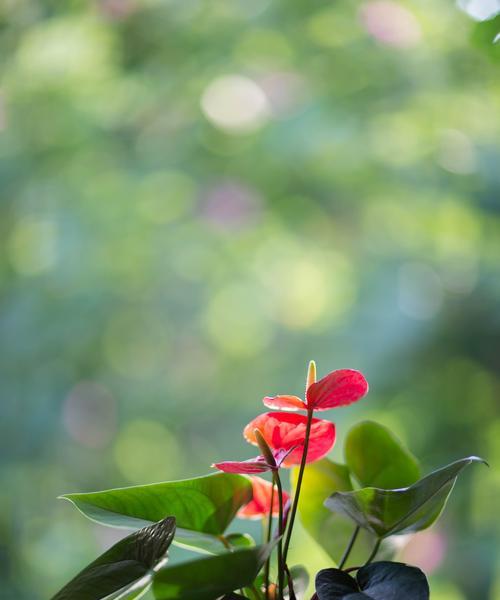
(376, 581)
(210, 577)
(126, 569)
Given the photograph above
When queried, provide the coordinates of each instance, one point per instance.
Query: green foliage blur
(199, 197)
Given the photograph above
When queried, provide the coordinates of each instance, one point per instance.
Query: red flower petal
(253, 465)
(284, 402)
(258, 507)
(285, 430)
(336, 389)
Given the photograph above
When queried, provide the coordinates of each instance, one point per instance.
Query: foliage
(375, 469)
(376, 581)
(387, 512)
(204, 507)
(124, 571)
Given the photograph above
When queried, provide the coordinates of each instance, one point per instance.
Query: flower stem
(374, 552)
(225, 543)
(281, 562)
(345, 556)
(299, 484)
(291, 591)
(268, 539)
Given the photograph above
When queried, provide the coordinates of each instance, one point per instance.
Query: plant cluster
(350, 509)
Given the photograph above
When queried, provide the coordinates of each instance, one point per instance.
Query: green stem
(291, 591)
(345, 556)
(255, 592)
(268, 539)
(374, 552)
(281, 562)
(226, 543)
(295, 504)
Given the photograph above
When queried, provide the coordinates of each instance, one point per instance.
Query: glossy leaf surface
(376, 581)
(204, 504)
(386, 512)
(211, 577)
(377, 458)
(126, 569)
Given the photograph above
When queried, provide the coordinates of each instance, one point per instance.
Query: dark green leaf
(377, 458)
(332, 531)
(334, 584)
(386, 512)
(204, 505)
(210, 577)
(126, 569)
(376, 581)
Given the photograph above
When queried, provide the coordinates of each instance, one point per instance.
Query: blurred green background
(197, 198)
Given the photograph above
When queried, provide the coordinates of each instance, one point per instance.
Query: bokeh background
(197, 198)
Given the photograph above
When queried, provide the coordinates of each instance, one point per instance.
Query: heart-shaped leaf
(203, 507)
(377, 458)
(376, 581)
(210, 577)
(386, 512)
(331, 531)
(126, 569)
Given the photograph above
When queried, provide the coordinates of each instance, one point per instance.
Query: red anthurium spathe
(244, 467)
(338, 388)
(286, 432)
(259, 505)
(259, 464)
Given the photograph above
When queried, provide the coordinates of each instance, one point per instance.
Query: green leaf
(210, 577)
(203, 507)
(377, 458)
(331, 531)
(376, 581)
(386, 512)
(126, 569)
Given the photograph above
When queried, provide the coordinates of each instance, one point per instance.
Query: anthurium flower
(259, 505)
(286, 432)
(338, 388)
(259, 464)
